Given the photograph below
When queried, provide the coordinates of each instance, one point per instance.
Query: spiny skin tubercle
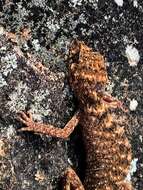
(108, 152)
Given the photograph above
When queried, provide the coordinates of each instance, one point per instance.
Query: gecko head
(87, 71)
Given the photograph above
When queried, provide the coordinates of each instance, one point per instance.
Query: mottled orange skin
(108, 151)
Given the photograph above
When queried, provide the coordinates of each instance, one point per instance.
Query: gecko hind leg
(72, 180)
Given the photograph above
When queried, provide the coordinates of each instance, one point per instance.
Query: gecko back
(108, 151)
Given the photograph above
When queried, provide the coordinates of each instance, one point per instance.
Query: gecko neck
(97, 109)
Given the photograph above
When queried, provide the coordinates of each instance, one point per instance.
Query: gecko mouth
(113, 103)
(110, 100)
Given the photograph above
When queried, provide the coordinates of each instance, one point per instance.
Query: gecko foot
(26, 119)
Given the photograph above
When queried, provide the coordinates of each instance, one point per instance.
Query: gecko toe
(25, 129)
(24, 116)
(29, 115)
(21, 120)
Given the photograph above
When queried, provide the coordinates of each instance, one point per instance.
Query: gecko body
(108, 151)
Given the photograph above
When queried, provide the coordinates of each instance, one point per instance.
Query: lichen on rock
(103, 26)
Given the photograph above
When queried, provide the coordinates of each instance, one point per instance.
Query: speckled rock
(41, 32)
(28, 160)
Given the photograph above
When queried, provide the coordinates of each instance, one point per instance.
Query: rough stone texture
(30, 161)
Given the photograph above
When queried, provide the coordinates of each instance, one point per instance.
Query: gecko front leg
(47, 129)
(71, 178)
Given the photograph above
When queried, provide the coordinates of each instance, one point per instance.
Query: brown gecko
(108, 151)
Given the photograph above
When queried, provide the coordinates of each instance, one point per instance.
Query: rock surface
(36, 32)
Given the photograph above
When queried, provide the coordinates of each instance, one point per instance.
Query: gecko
(108, 151)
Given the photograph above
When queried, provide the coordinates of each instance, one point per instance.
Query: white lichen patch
(38, 3)
(9, 63)
(40, 95)
(18, 97)
(132, 55)
(25, 184)
(141, 138)
(2, 81)
(133, 105)
(39, 109)
(36, 44)
(2, 31)
(133, 168)
(135, 3)
(3, 49)
(11, 132)
(40, 176)
(76, 2)
(54, 27)
(110, 87)
(119, 2)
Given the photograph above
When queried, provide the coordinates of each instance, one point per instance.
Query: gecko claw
(26, 119)
(29, 115)
(24, 116)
